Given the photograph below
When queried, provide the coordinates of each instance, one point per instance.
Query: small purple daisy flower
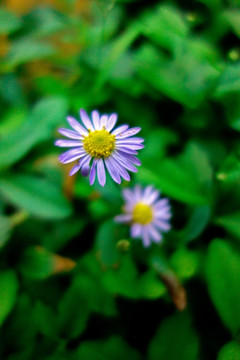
(113, 150)
(148, 215)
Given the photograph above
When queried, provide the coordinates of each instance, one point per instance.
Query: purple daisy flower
(147, 214)
(98, 147)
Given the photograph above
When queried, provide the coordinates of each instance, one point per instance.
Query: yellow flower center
(99, 143)
(142, 214)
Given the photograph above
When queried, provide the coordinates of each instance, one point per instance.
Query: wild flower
(147, 214)
(97, 146)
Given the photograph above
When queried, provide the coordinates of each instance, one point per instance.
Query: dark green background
(67, 290)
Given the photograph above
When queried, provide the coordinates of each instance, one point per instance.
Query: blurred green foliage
(73, 285)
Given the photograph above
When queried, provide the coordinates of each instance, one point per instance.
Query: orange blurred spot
(175, 289)
(4, 45)
(21, 7)
(62, 264)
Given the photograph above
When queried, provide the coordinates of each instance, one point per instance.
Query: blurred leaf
(185, 263)
(177, 78)
(233, 18)
(173, 179)
(175, 330)
(229, 80)
(106, 241)
(198, 221)
(39, 263)
(125, 281)
(5, 230)
(8, 290)
(62, 232)
(46, 115)
(47, 21)
(35, 195)
(12, 120)
(230, 351)
(45, 319)
(223, 272)
(27, 49)
(71, 318)
(11, 90)
(99, 300)
(73, 313)
(230, 223)
(118, 47)
(164, 25)
(111, 349)
(8, 22)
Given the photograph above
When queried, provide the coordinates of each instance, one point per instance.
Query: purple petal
(120, 130)
(92, 174)
(75, 169)
(85, 119)
(70, 134)
(146, 237)
(153, 197)
(84, 164)
(134, 140)
(128, 195)
(161, 204)
(126, 150)
(71, 155)
(101, 172)
(67, 143)
(155, 235)
(128, 133)
(76, 126)
(162, 214)
(124, 174)
(147, 192)
(123, 218)
(124, 156)
(96, 119)
(125, 163)
(137, 193)
(162, 225)
(111, 122)
(103, 121)
(136, 230)
(112, 170)
(129, 146)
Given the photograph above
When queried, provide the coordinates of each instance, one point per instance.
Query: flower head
(147, 214)
(97, 146)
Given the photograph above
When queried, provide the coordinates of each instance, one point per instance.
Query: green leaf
(233, 18)
(164, 25)
(106, 241)
(111, 349)
(27, 49)
(8, 291)
(197, 222)
(174, 337)
(5, 230)
(39, 126)
(177, 78)
(230, 223)
(229, 81)
(174, 180)
(230, 351)
(35, 195)
(185, 263)
(98, 298)
(73, 313)
(8, 22)
(223, 273)
(37, 263)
